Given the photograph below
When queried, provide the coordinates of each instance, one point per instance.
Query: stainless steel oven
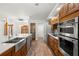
(69, 36)
(69, 45)
(69, 28)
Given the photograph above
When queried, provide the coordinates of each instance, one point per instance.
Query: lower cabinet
(53, 44)
(18, 53)
(22, 51)
(9, 52)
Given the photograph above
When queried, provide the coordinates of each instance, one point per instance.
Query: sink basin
(20, 41)
(15, 40)
(11, 41)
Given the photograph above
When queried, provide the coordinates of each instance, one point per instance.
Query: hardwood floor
(39, 48)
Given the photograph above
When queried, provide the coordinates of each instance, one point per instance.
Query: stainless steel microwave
(70, 28)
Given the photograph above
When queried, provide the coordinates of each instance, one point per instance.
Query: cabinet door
(18, 53)
(61, 13)
(9, 52)
(53, 44)
(49, 41)
(24, 50)
(73, 7)
(68, 9)
(65, 11)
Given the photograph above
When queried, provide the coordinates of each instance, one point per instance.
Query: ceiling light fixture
(20, 19)
(36, 4)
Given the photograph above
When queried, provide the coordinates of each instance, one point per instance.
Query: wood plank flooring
(39, 48)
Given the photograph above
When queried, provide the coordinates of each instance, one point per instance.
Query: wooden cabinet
(18, 53)
(9, 52)
(68, 11)
(72, 7)
(52, 41)
(53, 44)
(63, 11)
(22, 51)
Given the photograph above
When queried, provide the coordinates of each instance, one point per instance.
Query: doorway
(40, 31)
(33, 30)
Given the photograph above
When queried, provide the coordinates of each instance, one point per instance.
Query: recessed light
(20, 19)
(36, 4)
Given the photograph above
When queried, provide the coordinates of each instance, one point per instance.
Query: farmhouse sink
(20, 42)
(15, 40)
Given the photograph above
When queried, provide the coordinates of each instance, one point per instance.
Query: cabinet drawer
(18, 53)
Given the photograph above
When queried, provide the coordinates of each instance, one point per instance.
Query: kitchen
(39, 29)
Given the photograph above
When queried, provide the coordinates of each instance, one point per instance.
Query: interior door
(40, 31)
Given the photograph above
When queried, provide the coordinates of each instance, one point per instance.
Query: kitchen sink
(21, 42)
(18, 39)
(15, 40)
(11, 41)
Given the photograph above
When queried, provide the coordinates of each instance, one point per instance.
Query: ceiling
(26, 9)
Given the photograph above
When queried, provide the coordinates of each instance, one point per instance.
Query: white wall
(42, 21)
(2, 37)
(17, 24)
(16, 27)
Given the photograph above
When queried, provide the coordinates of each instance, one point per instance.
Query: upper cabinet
(68, 10)
(63, 11)
(72, 7)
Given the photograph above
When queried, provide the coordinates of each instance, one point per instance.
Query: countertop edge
(53, 36)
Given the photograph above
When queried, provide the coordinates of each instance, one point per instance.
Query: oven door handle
(74, 40)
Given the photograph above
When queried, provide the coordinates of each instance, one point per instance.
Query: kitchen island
(9, 49)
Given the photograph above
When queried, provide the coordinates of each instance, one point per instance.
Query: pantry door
(40, 31)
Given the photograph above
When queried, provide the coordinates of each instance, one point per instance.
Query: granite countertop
(53, 36)
(21, 35)
(6, 46)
